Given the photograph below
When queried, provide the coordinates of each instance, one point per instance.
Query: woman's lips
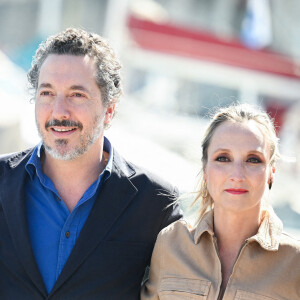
(236, 191)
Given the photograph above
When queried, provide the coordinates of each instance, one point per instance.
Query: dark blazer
(113, 249)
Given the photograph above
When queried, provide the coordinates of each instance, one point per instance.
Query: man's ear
(110, 110)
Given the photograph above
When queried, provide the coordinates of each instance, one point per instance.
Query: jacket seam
(161, 259)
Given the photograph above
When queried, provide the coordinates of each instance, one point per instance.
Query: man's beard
(86, 141)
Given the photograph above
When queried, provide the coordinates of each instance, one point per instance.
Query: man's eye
(78, 95)
(45, 93)
(222, 159)
(254, 160)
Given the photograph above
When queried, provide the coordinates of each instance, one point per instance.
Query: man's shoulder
(157, 195)
(8, 156)
(144, 176)
(10, 160)
(141, 176)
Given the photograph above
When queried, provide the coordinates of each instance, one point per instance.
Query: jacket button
(68, 234)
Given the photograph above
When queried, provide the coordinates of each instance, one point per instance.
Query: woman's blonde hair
(236, 113)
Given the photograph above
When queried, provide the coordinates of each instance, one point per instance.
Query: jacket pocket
(242, 295)
(175, 288)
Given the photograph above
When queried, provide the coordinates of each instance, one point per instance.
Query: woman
(237, 250)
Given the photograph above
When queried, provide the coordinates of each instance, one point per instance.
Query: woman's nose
(237, 172)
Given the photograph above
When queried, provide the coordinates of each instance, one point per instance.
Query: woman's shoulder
(181, 229)
(273, 236)
(290, 242)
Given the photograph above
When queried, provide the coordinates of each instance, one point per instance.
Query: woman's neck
(233, 228)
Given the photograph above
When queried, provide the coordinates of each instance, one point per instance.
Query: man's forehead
(53, 58)
(71, 71)
(72, 64)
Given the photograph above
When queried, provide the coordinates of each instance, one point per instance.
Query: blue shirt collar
(34, 165)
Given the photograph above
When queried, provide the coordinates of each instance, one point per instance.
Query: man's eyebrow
(45, 85)
(79, 88)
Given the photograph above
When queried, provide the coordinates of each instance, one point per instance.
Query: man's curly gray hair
(79, 42)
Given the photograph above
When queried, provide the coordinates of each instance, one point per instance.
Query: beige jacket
(185, 264)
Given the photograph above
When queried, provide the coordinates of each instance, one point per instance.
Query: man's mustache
(63, 123)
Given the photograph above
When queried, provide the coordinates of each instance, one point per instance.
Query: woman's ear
(204, 175)
(273, 169)
(270, 183)
(271, 177)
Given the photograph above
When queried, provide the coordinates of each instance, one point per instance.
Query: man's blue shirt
(53, 230)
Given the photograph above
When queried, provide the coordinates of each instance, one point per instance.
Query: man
(77, 221)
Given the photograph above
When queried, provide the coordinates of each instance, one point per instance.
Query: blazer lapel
(115, 195)
(13, 202)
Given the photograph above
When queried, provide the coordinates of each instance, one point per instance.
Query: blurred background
(181, 59)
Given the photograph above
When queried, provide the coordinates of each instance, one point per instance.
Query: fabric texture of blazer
(113, 249)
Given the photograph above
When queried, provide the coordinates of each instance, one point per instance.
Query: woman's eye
(222, 159)
(254, 160)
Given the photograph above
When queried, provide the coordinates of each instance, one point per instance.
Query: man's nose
(60, 109)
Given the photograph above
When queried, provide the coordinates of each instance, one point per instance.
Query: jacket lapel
(12, 196)
(115, 195)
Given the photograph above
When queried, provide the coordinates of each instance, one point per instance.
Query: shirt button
(68, 234)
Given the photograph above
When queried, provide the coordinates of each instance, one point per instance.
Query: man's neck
(72, 178)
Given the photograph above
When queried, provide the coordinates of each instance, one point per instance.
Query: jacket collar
(206, 224)
(269, 232)
(17, 158)
(268, 235)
